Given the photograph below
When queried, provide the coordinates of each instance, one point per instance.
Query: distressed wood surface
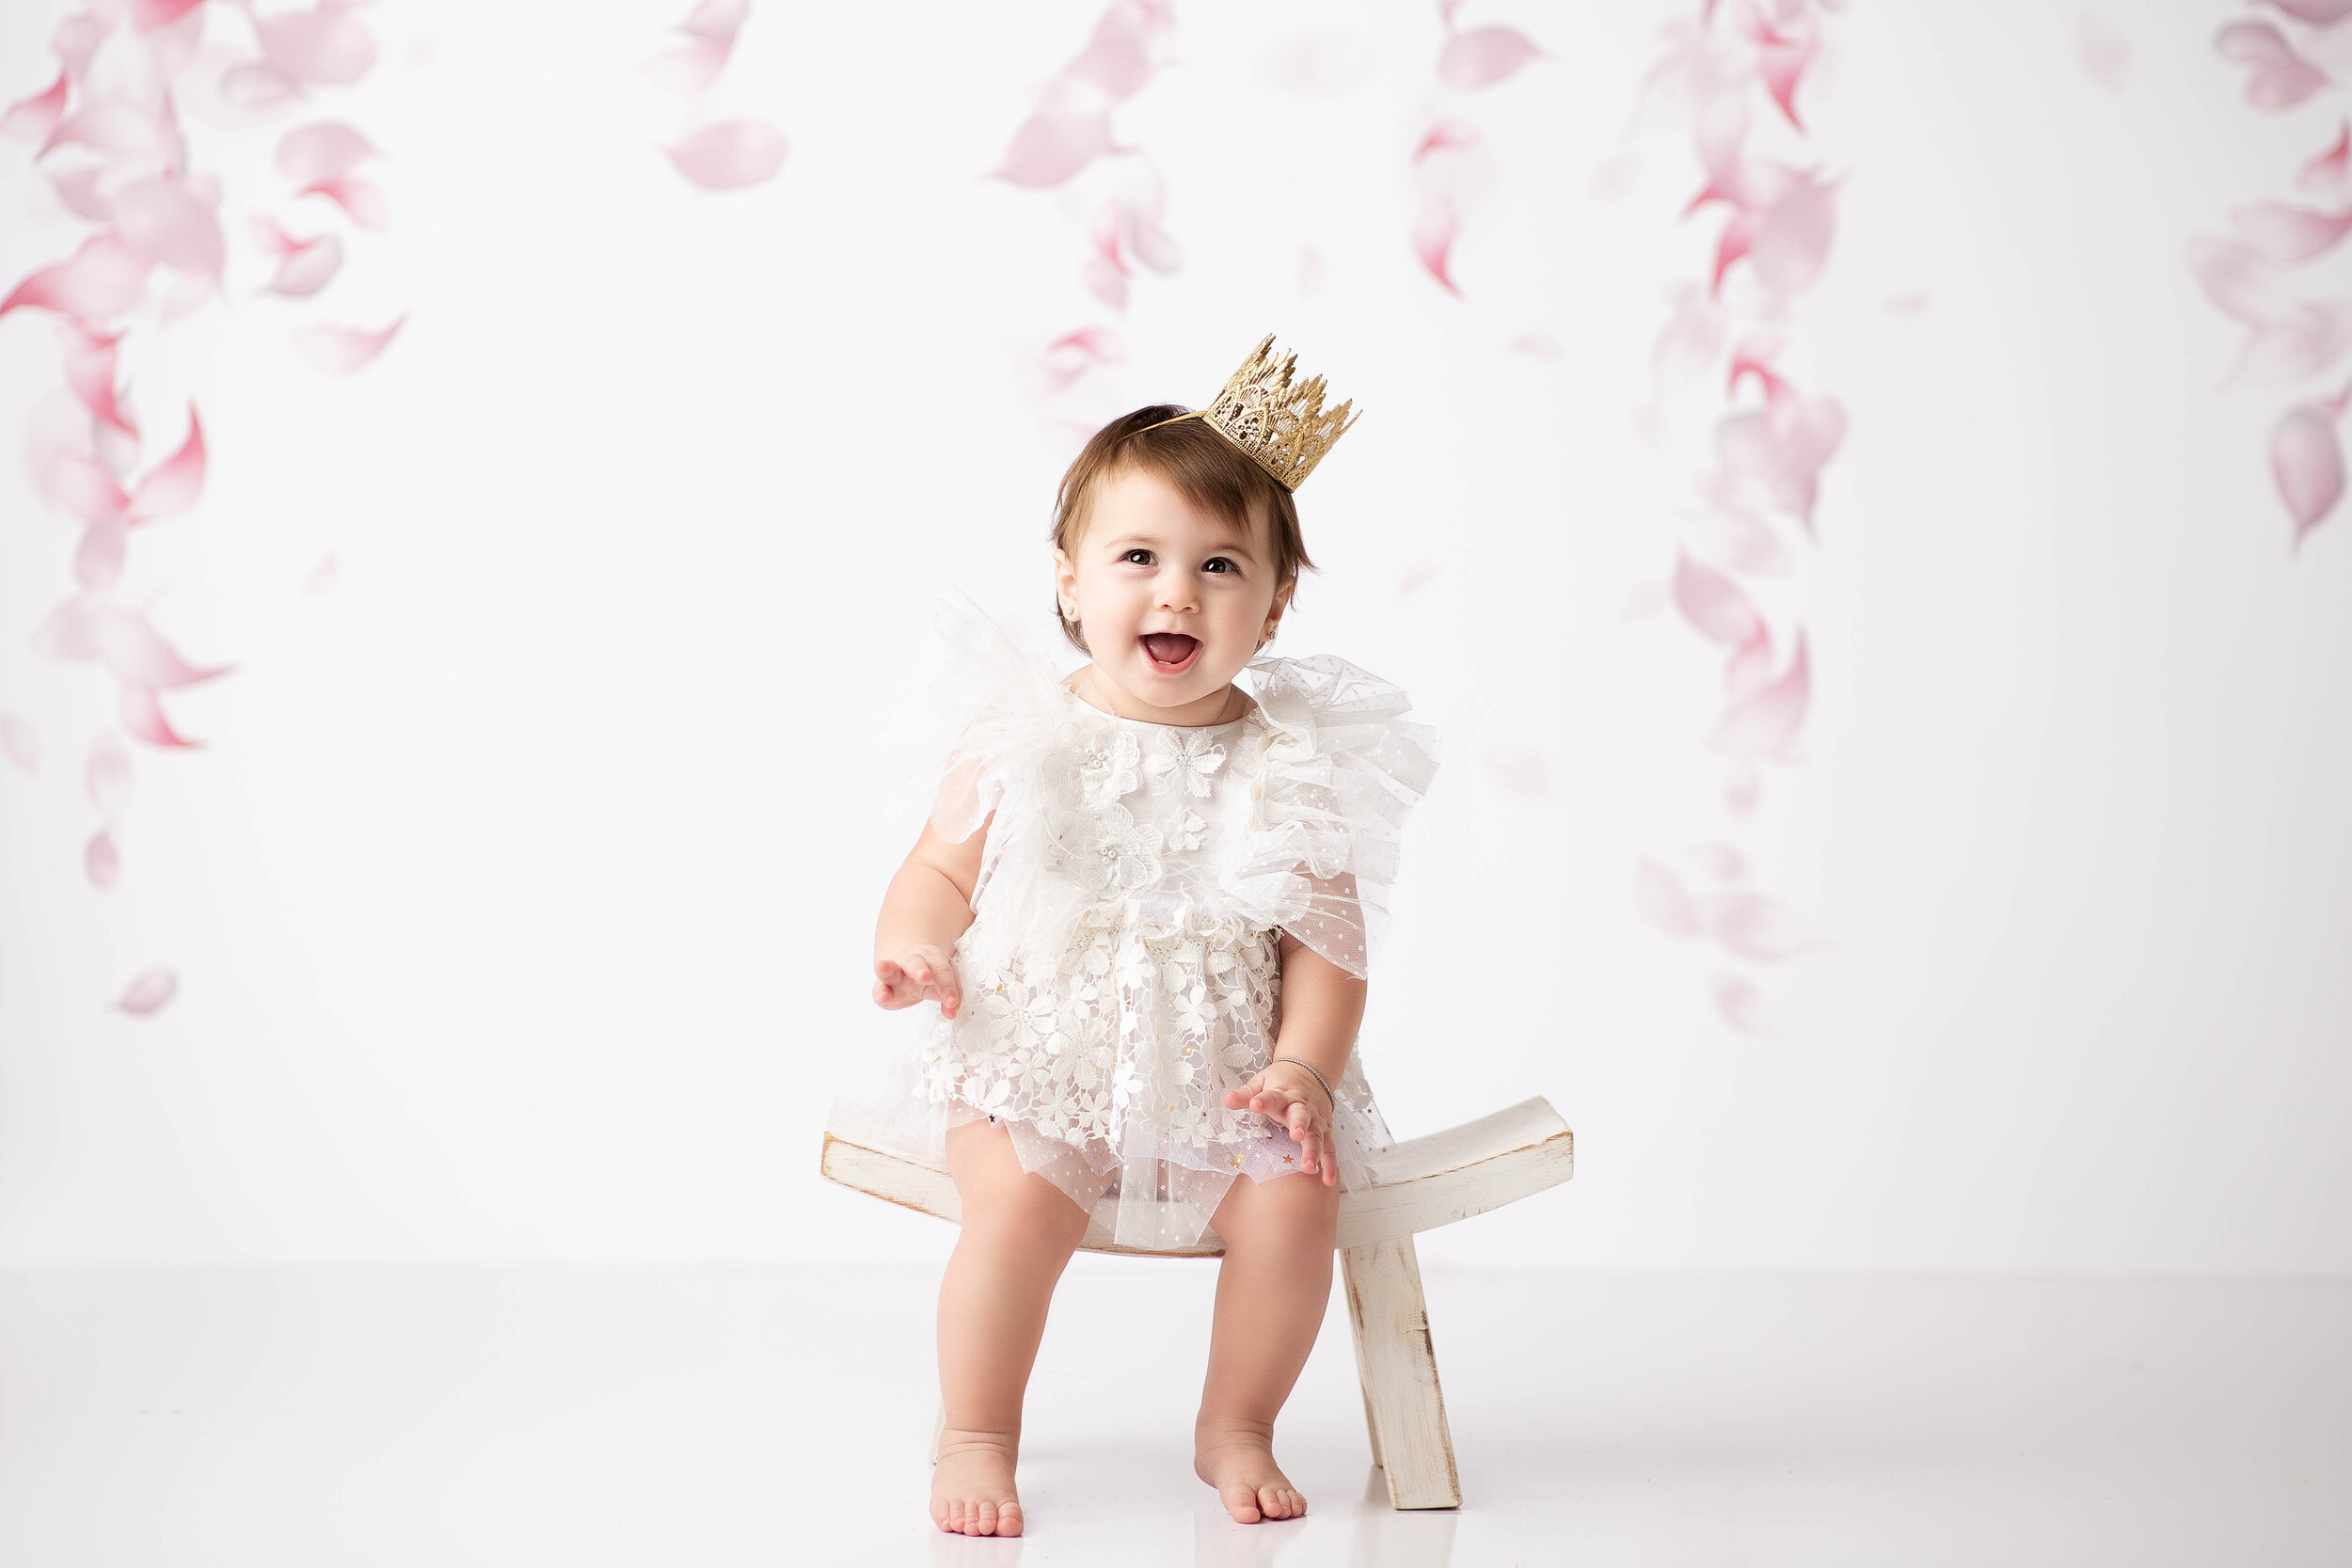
(1397, 1365)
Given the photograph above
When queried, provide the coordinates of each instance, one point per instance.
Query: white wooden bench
(1424, 1183)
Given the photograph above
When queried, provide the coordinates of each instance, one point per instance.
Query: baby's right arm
(928, 906)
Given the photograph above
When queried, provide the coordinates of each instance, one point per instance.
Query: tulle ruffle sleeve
(1342, 768)
(994, 705)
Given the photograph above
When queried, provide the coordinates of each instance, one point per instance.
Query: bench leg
(1398, 1369)
(939, 1429)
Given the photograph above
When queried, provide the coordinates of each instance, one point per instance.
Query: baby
(1144, 904)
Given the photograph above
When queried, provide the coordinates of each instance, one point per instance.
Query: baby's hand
(922, 970)
(1289, 1094)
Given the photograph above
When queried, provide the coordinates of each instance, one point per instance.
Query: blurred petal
(362, 200)
(1755, 926)
(100, 862)
(154, 16)
(77, 191)
(1483, 56)
(1792, 240)
(114, 128)
(730, 155)
(37, 116)
(1323, 64)
(1765, 722)
(98, 560)
(80, 483)
(137, 654)
(1445, 136)
(164, 221)
(2319, 13)
(258, 87)
(107, 775)
(1741, 1002)
(340, 350)
(321, 152)
(2305, 343)
(2281, 232)
(2307, 462)
(143, 717)
(325, 45)
(1713, 603)
(102, 278)
(1052, 145)
(306, 266)
(19, 743)
(2239, 281)
(1724, 863)
(691, 69)
(69, 633)
(1106, 281)
(1781, 59)
(150, 991)
(1432, 242)
(324, 576)
(1662, 900)
(2326, 171)
(89, 373)
(1117, 55)
(2102, 51)
(172, 486)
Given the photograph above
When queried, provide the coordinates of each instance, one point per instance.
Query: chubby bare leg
(1271, 1291)
(1019, 1231)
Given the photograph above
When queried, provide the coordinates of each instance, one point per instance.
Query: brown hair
(1210, 471)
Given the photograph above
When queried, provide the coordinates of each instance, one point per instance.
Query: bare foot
(1237, 1458)
(972, 1491)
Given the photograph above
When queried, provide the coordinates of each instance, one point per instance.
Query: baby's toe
(1008, 1519)
(985, 1518)
(1241, 1501)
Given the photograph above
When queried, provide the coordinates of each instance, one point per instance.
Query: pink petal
(102, 278)
(1765, 722)
(1662, 900)
(100, 862)
(340, 350)
(1537, 345)
(2307, 462)
(98, 560)
(37, 116)
(1733, 242)
(1153, 246)
(2102, 51)
(1117, 55)
(81, 484)
(326, 45)
(1071, 355)
(154, 16)
(2319, 13)
(691, 69)
(1713, 603)
(77, 190)
(1483, 56)
(1750, 664)
(89, 373)
(164, 221)
(1446, 135)
(76, 41)
(1432, 242)
(2276, 89)
(1742, 786)
(2252, 43)
(1740, 1004)
(730, 155)
(137, 654)
(1906, 306)
(306, 266)
(1053, 145)
(148, 992)
(172, 486)
(143, 717)
(107, 775)
(2328, 169)
(1106, 281)
(716, 19)
(19, 743)
(2239, 281)
(361, 200)
(1416, 578)
(1781, 59)
(2303, 345)
(115, 127)
(1323, 64)
(1791, 241)
(258, 87)
(324, 576)
(69, 633)
(321, 152)
(1755, 926)
(1724, 863)
(2285, 233)
(1310, 270)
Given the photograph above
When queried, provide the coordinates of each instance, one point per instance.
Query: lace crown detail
(1283, 428)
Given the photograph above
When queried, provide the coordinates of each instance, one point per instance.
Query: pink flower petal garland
(1731, 73)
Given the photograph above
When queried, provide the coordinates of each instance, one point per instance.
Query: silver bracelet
(1328, 1095)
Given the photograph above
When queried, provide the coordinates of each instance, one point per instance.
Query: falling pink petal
(1662, 900)
(19, 743)
(1792, 240)
(1310, 270)
(1445, 137)
(2319, 13)
(1483, 56)
(257, 86)
(2103, 51)
(142, 715)
(326, 45)
(362, 200)
(148, 992)
(1323, 64)
(98, 559)
(138, 655)
(715, 19)
(1537, 345)
(1074, 354)
(1432, 242)
(1106, 281)
(324, 575)
(1416, 578)
(37, 116)
(2283, 233)
(1153, 245)
(691, 69)
(340, 350)
(154, 16)
(2326, 171)
(115, 127)
(2308, 342)
(69, 633)
(79, 483)
(1053, 145)
(1723, 862)
(102, 862)
(1733, 242)
(2307, 461)
(77, 191)
(172, 486)
(321, 152)
(1781, 59)
(164, 222)
(1750, 664)
(1755, 926)
(2239, 281)
(730, 155)
(107, 775)
(1743, 786)
(89, 373)
(1765, 722)
(102, 278)
(304, 266)
(1906, 306)
(1740, 1004)
(1713, 603)
(2281, 78)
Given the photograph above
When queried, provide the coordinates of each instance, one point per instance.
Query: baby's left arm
(1323, 1005)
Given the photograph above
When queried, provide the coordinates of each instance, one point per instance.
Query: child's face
(1152, 562)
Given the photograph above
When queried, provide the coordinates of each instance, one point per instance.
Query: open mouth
(1171, 652)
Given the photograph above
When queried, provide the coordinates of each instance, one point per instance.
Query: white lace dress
(1123, 968)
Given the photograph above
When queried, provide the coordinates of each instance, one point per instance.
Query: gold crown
(1282, 427)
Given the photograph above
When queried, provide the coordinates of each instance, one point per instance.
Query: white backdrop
(520, 900)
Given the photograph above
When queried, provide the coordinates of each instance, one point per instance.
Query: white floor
(441, 1417)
